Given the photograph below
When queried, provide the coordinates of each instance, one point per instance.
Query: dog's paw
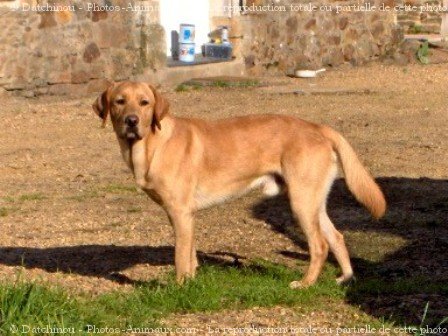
(295, 285)
(299, 285)
(345, 280)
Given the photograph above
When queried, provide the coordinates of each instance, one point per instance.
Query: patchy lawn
(98, 251)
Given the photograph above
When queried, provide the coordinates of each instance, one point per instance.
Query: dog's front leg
(185, 262)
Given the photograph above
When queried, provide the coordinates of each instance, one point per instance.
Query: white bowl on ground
(308, 73)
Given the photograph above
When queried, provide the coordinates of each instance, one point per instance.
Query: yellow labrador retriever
(187, 164)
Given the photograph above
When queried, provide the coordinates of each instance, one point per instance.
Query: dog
(187, 164)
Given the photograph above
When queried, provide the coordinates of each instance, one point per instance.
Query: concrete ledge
(425, 37)
(166, 77)
(176, 75)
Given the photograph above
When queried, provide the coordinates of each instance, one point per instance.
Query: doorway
(175, 12)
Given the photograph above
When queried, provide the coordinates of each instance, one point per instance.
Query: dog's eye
(120, 101)
(144, 102)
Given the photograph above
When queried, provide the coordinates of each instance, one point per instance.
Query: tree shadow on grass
(399, 283)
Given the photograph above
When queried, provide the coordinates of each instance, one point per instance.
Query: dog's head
(136, 109)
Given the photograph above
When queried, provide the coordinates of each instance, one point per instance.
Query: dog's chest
(135, 158)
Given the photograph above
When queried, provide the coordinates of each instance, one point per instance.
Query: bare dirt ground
(70, 212)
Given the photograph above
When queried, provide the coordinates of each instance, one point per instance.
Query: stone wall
(285, 41)
(53, 51)
(59, 51)
(420, 21)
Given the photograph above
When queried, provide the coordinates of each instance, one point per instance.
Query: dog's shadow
(401, 284)
(106, 261)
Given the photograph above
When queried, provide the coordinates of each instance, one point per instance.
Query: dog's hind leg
(337, 245)
(303, 174)
(333, 237)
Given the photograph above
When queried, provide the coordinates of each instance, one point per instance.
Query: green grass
(116, 224)
(423, 53)
(34, 305)
(423, 330)
(185, 87)
(3, 212)
(84, 195)
(32, 197)
(260, 284)
(25, 197)
(181, 88)
(219, 83)
(115, 188)
(134, 210)
(15, 202)
(196, 86)
(247, 83)
(215, 288)
(8, 199)
(416, 29)
(405, 286)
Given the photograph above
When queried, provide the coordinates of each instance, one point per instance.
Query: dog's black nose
(131, 120)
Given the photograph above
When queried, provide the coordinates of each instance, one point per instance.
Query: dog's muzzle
(131, 122)
(133, 135)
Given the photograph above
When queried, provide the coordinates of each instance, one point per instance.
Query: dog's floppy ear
(160, 109)
(101, 105)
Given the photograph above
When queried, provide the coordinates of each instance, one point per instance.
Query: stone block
(64, 17)
(217, 21)
(79, 77)
(351, 35)
(3, 92)
(40, 91)
(343, 22)
(334, 40)
(311, 24)
(98, 85)
(91, 53)
(349, 52)
(99, 15)
(74, 90)
(292, 24)
(152, 44)
(249, 61)
(378, 30)
(334, 58)
(385, 3)
(61, 77)
(47, 20)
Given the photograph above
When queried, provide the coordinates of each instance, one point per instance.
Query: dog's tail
(359, 181)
